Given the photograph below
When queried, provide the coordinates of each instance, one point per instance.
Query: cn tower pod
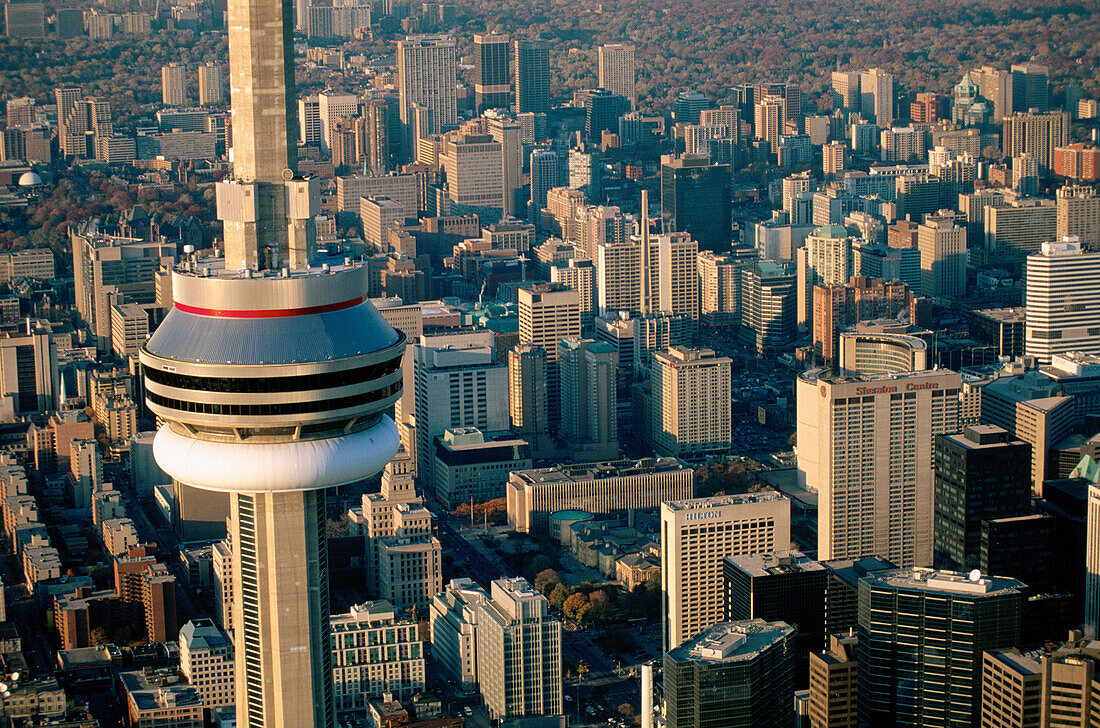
(272, 381)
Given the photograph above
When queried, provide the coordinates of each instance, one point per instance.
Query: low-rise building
(470, 465)
(374, 653)
(158, 698)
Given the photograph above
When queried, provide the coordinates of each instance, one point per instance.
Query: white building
(454, 630)
(1063, 301)
(691, 401)
(374, 653)
(206, 661)
(696, 537)
(865, 446)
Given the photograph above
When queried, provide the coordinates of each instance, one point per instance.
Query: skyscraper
(589, 422)
(866, 450)
(602, 110)
(696, 537)
(506, 131)
(982, 474)
(942, 245)
(173, 84)
(492, 80)
(1037, 134)
(1030, 87)
(696, 198)
(527, 395)
(426, 77)
(210, 84)
(549, 312)
(532, 74)
(544, 177)
(1063, 287)
(312, 371)
(876, 89)
(616, 70)
(846, 90)
(690, 412)
(921, 638)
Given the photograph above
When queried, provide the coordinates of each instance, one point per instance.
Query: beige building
(527, 405)
(374, 653)
(1078, 214)
(401, 188)
(876, 89)
(942, 244)
(129, 329)
(1012, 687)
(580, 275)
(159, 699)
(454, 615)
(379, 215)
(696, 537)
(832, 157)
(519, 665)
(173, 84)
(210, 84)
(691, 402)
(596, 488)
(1035, 134)
(548, 313)
(475, 177)
(833, 675)
(206, 662)
(426, 77)
(616, 70)
(719, 287)
(865, 447)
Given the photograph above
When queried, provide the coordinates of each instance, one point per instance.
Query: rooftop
(729, 642)
(598, 471)
(774, 563)
(693, 504)
(941, 581)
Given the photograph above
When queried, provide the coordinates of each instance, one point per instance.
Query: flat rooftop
(693, 504)
(774, 563)
(940, 582)
(729, 642)
(598, 471)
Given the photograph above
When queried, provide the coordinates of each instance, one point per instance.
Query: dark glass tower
(696, 198)
(532, 76)
(602, 110)
(492, 80)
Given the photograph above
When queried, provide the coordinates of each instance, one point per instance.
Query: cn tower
(273, 375)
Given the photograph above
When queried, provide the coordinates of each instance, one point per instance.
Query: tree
(576, 607)
(626, 710)
(98, 636)
(558, 596)
(546, 580)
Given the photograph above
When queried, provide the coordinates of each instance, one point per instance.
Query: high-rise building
(210, 84)
(544, 177)
(768, 120)
(769, 301)
(1037, 134)
(20, 111)
(696, 198)
(206, 661)
(331, 108)
(475, 174)
(589, 419)
(492, 77)
(825, 259)
(1079, 162)
(527, 403)
(358, 675)
(616, 70)
(832, 157)
(548, 313)
(564, 204)
(846, 93)
(995, 86)
(173, 84)
(618, 267)
(719, 288)
(519, 667)
(690, 411)
(981, 474)
(919, 615)
(25, 19)
(532, 76)
(926, 109)
(1017, 229)
(1030, 87)
(942, 244)
(309, 120)
(833, 684)
(426, 78)
(732, 675)
(876, 88)
(1092, 562)
(454, 614)
(602, 111)
(696, 536)
(312, 323)
(1063, 286)
(1078, 209)
(580, 275)
(506, 132)
(781, 586)
(881, 506)
(599, 224)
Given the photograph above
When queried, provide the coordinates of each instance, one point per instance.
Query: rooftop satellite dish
(975, 575)
(15, 676)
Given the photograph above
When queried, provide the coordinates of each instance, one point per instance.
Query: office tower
(458, 383)
(454, 630)
(688, 105)
(475, 174)
(107, 265)
(331, 107)
(589, 418)
(303, 444)
(580, 275)
(616, 70)
(696, 536)
(794, 186)
(781, 586)
(532, 76)
(25, 19)
(544, 177)
(602, 110)
(768, 120)
(825, 259)
(996, 87)
(492, 77)
(919, 615)
(696, 198)
(173, 84)
(519, 667)
(877, 97)
(426, 77)
(210, 84)
(942, 245)
(599, 224)
(832, 158)
(871, 349)
(1012, 689)
(846, 93)
(548, 312)
(1030, 87)
(409, 558)
(769, 302)
(883, 506)
(309, 120)
(833, 678)
(670, 270)
(1037, 134)
(1062, 286)
(719, 288)
(527, 403)
(20, 111)
(72, 121)
(1092, 562)
(981, 474)
(376, 131)
(733, 675)
(564, 204)
(1078, 211)
(360, 677)
(206, 661)
(1018, 229)
(925, 110)
(506, 131)
(585, 171)
(690, 412)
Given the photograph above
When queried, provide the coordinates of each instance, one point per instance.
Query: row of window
(281, 408)
(264, 385)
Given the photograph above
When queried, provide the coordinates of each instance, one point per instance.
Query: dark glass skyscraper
(602, 110)
(921, 638)
(532, 76)
(696, 198)
(981, 474)
(492, 80)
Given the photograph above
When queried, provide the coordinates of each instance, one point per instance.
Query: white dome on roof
(29, 179)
